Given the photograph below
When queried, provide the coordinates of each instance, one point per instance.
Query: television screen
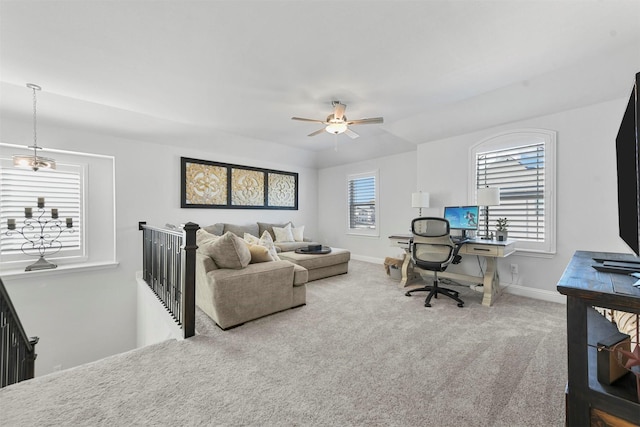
(462, 217)
(628, 165)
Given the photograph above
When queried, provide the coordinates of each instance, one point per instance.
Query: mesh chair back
(432, 246)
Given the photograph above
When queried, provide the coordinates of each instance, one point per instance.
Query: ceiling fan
(337, 122)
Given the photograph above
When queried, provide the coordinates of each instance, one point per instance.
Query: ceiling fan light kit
(337, 122)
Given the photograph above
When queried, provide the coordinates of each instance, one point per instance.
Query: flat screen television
(462, 217)
(628, 165)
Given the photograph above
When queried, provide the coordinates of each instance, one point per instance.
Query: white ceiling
(151, 70)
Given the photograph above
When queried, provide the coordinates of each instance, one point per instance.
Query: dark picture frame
(216, 185)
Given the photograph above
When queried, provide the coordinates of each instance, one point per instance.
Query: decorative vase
(501, 236)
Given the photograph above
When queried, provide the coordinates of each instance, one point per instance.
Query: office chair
(432, 249)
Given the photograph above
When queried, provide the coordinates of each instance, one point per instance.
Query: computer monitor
(462, 217)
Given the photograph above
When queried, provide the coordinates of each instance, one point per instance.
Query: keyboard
(458, 240)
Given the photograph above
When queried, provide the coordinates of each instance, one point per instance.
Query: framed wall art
(207, 184)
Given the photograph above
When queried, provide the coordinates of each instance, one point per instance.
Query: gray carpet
(359, 353)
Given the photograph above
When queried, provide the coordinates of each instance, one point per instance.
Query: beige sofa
(235, 285)
(232, 297)
(257, 229)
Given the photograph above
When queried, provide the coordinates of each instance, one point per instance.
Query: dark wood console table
(588, 401)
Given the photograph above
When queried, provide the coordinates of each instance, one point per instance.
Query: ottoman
(320, 266)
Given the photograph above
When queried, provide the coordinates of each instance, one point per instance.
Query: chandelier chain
(35, 134)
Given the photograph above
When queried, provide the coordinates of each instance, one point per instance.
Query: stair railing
(17, 352)
(169, 269)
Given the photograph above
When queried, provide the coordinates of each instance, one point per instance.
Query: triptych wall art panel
(208, 184)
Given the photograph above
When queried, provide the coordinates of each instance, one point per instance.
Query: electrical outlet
(514, 268)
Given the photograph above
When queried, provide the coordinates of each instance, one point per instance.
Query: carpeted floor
(360, 353)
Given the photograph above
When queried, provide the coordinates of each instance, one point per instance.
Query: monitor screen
(628, 165)
(462, 217)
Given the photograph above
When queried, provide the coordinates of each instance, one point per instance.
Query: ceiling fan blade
(351, 134)
(338, 111)
(366, 121)
(307, 120)
(318, 132)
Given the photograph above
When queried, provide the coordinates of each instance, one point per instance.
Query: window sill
(61, 269)
(534, 254)
(363, 233)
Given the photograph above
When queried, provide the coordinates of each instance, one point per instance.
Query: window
(522, 165)
(62, 189)
(363, 203)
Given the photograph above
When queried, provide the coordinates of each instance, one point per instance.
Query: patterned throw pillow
(267, 241)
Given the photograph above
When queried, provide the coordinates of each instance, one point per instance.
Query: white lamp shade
(488, 196)
(420, 200)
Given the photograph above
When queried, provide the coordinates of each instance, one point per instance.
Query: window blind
(519, 172)
(362, 202)
(20, 188)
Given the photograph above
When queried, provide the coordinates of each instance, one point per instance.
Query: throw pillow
(262, 226)
(205, 242)
(251, 239)
(230, 251)
(259, 253)
(267, 241)
(298, 233)
(283, 234)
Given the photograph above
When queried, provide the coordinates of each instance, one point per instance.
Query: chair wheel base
(426, 304)
(460, 305)
(407, 294)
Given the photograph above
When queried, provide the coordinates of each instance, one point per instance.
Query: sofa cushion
(222, 227)
(265, 226)
(283, 234)
(230, 251)
(300, 275)
(239, 230)
(215, 229)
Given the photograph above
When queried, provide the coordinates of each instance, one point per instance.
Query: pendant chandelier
(34, 161)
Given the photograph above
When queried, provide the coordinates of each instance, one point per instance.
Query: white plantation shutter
(519, 173)
(61, 189)
(521, 165)
(363, 203)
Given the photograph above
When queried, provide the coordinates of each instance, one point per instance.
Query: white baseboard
(541, 294)
(523, 291)
(372, 260)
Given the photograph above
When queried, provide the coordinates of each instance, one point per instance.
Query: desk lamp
(488, 196)
(420, 200)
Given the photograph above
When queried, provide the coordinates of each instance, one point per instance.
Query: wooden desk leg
(578, 412)
(407, 270)
(491, 284)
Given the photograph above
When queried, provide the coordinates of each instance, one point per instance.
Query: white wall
(586, 189)
(84, 316)
(586, 194)
(397, 176)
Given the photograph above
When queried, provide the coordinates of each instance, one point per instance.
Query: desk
(490, 249)
(590, 402)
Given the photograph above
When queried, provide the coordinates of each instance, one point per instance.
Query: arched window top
(521, 163)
